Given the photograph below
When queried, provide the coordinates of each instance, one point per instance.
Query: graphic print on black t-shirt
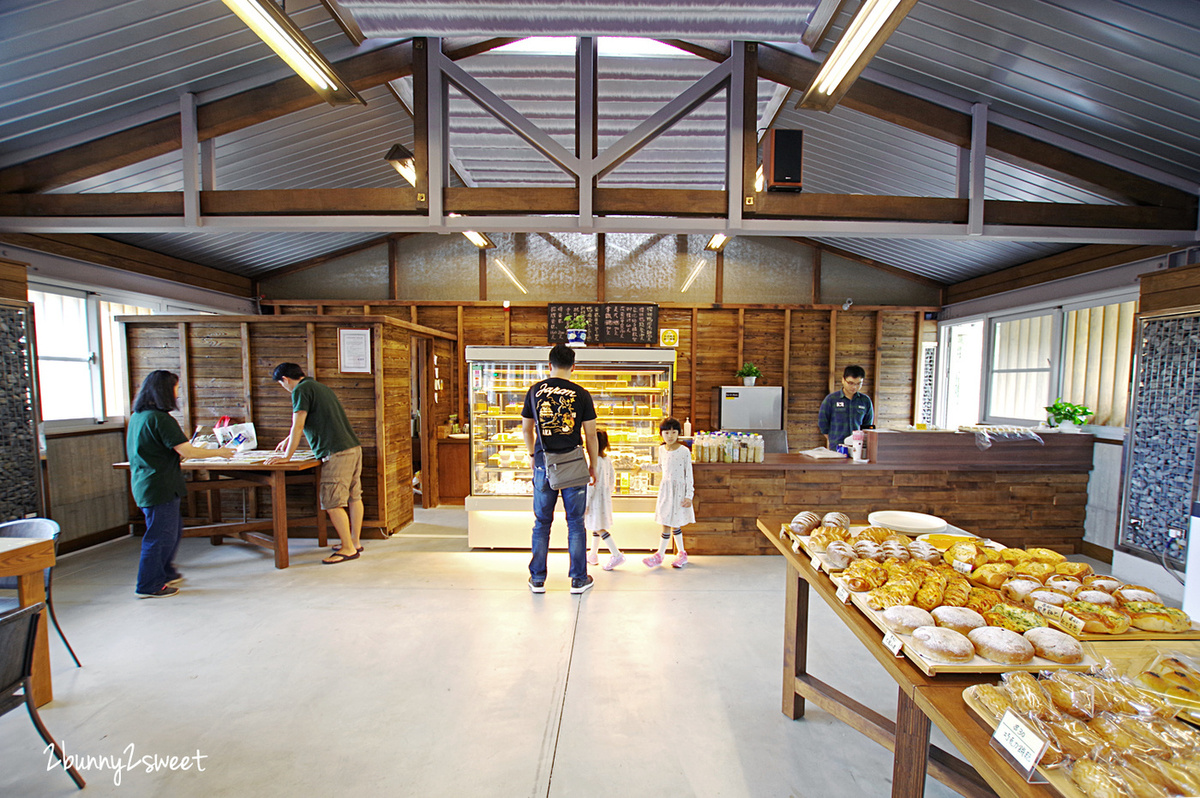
(559, 408)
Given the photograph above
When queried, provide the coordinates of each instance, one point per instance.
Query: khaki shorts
(341, 478)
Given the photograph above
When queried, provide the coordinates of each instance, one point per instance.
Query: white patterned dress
(676, 486)
(599, 497)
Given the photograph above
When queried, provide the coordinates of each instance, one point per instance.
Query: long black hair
(157, 392)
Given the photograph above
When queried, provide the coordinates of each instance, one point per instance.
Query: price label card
(783, 530)
(963, 567)
(1069, 624)
(796, 546)
(1051, 611)
(843, 594)
(893, 644)
(816, 565)
(1020, 741)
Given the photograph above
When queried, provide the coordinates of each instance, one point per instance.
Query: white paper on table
(821, 453)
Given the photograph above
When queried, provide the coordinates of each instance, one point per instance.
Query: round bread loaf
(1054, 645)
(1017, 588)
(836, 519)
(1067, 584)
(1048, 595)
(805, 522)
(1001, 645)
(1095, 597)
(942, 645)
(960, 619)
(1135, 593)
(905, 618)
(839, 554)
(1106, 583)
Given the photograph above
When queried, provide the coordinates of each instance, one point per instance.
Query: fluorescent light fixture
(760, 179)
(862, 38)
(403, 162)
(289, 42)
(692, 277)
(515, 281)
(717, 242)
(478, 239)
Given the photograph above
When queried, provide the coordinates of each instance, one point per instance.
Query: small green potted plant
(576, 330)
(1066, 416)
(749, 373)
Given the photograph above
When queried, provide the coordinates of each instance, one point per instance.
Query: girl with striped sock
(598, 517)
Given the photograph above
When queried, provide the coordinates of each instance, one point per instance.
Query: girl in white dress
(674, 508)
(597, 518)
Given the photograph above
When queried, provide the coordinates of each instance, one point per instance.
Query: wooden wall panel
(87, 496)
(809, 377)
(681, 401)
(762, 344)
(716, 361)
(13, 281)
(483, 326)
(894, 395)
(856, 345)
(528, 327)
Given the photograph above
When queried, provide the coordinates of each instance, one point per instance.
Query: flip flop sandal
(340, 558)
(336, 549)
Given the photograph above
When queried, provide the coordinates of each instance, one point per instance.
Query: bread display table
(248, 470)
(920, 699)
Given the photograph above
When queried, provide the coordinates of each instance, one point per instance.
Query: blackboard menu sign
(608, 323)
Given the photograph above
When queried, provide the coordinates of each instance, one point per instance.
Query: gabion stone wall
(19, 495)
(1163, 438)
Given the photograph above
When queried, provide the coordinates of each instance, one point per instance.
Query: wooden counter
(1036, 497)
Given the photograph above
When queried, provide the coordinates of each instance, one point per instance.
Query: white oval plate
(904, 521)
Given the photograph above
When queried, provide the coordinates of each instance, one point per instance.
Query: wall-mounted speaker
(783, 156)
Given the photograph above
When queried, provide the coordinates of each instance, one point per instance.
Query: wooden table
(920, 699)
(27, 559)
(211, 477)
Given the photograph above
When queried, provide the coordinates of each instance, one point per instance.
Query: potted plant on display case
(576, 330)
(1066, 416)
(749, 373)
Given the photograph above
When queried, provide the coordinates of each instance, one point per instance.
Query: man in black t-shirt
(557, 417)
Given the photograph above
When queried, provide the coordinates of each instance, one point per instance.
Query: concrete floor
(426, 669)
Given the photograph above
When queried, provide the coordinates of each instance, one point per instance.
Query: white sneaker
(614, 561)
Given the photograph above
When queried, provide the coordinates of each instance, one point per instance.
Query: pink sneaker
(593, 558)
(614, 561)
(680, 561)
(653, 561)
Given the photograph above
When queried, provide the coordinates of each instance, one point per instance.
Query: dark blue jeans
(164, 527)
(544, 500)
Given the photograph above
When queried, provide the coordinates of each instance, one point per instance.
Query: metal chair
(42, 529)
(18, 631)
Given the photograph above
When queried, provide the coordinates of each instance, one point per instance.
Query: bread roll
(1095, 781)
(1028, 697)
(1014, 618)
(1069, 699)
(1036, 569)
(868, 550)
(1076, 569)
(958, 590)
(991, 574)
(904, 619)
(836, 519)
(1054, 645)
(967, 553)
(960, 619)
(1017, 588)
(1157, 618)
(991, 698)
(1094, 597)
(981, 599)
(1130, 593)
(942, 645)
(838, 555)
(921, 550)
(1001, 645)
(805, 522)
(1098, 619)
(875, 534)
(1106, 583)
(1046, 555)
(1014, 556)
(895, 551)
(1048, 595)
(1067, 584)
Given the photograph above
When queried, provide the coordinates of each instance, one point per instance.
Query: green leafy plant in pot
(1067, 416)
(576, 329)
(749, 373)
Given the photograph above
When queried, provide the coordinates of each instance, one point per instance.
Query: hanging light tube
(283, 36)
(692, 277)
(512, 277)
(862, 38)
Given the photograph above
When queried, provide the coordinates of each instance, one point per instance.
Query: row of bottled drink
(727, 447)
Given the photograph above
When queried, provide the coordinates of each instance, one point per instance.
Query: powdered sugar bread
(1054, 645)
(905, 618)
(1001, 645)
(942, 645)
(960, 619)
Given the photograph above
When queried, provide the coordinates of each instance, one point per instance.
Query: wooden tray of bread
(1106, 738)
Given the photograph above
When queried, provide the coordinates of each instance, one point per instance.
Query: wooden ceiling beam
(126, 257)
(1071, 263)
(954, 127)
(216, 118)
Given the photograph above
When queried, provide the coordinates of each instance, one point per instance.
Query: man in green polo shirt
(317, 413)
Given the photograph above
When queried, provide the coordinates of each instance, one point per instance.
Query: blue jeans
(544, 500)
(164, 527)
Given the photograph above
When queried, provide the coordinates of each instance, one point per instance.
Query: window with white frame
(1020, 367)
(1098, 359)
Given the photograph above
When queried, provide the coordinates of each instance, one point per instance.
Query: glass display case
(631, 397)
(631, 389)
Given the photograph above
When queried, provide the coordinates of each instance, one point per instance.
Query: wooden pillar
(461, 366)
(720, 292)
(185, 380)
(310, 367)
(393, 268)
(741, 333)
(749, 94)
(412, 313)
(876, 379)
(695, 335)
(508, 326)
(482, 275)
(601, 262)
(816, 274)
(248, 398)
(420, 73)
(787, 356)
(833, 380)
(918, 340)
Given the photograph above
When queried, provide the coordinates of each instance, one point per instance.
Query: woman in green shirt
(155, 445)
